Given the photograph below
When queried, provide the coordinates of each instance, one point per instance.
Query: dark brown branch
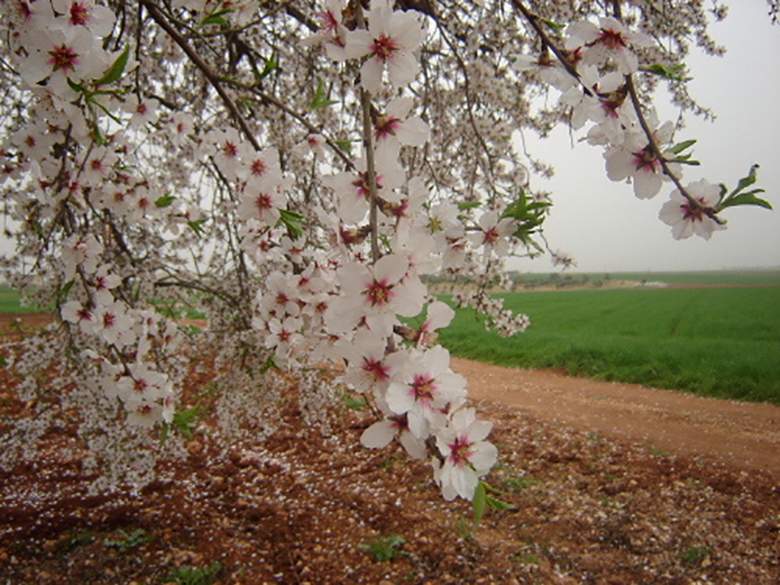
(212, 77)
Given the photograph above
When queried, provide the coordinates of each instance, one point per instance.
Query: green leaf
(293, 221)
(466, 205)
(674, 72)
(271, 64)
(678, 148)
(556, 26)
(745, 182)
(741, 197)
(497, 504)
(97, 136)
(685, 160)
(197, 226)
(114, 73)
(320, 99)
(269, 363)
(62, 294)
(479, 503)
(354, 402)
(77, 87)
(748, 198)
(216, 18)
(344, 144)
(528, 214)
(184, 421)
(3, 361)
(164, 201)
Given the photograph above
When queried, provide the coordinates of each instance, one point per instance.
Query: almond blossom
(439, 315)
(396, 128)
(96, 18)
(382, 432)
(58, 55)
(369, 366)
(425, 389)
(467, 456)
(390, 40)
(332, 33)
(685, 217)
(611, 39)
(636, 159)
(494, 233)
(352, 188)
(376, 294)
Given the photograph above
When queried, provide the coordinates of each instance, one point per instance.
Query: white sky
(606, 228)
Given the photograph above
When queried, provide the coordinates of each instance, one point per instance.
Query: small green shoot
(464, 528)
(695, 555)
(384, 548)
(75, 540)
(484, 500)
(184, 422)
(129, 540)
(354, 402)
(519, 483)
(525, 558)
(656, 452)
(195, 575)
(320, 99)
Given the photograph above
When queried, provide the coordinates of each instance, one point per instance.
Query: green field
(715, 341)
(721, 342)
(708, 277)
(9, 302)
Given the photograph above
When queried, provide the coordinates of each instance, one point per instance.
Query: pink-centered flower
(58, 56)
(379, 434)
(98, 19)
(636, 160)
(425, 389)
(375, 294)
(494, 232)
(687, 218)
(391, 38)
(332, 33)
(353, 188)
(396, 128)
(369, 367)
(611, 39)
(467, 456)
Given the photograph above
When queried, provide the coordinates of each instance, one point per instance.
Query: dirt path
(741, 434)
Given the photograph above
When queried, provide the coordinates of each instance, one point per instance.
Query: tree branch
(212, 77)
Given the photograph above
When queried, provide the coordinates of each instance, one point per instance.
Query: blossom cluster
(135, 192)
(594, 78)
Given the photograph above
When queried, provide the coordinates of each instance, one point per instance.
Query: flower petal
(378, 435)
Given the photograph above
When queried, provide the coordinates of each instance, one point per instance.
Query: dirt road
(741, 434)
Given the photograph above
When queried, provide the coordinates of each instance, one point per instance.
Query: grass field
(709, 277)
(9, 302)
(721, 342)
(714, 341)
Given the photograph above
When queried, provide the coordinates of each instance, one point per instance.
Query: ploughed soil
(602, 483)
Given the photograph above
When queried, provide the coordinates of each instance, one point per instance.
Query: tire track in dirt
(740, 434)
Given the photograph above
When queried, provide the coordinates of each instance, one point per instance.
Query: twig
(212, 77)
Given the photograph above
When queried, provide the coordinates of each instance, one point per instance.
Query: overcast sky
(606, 228)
